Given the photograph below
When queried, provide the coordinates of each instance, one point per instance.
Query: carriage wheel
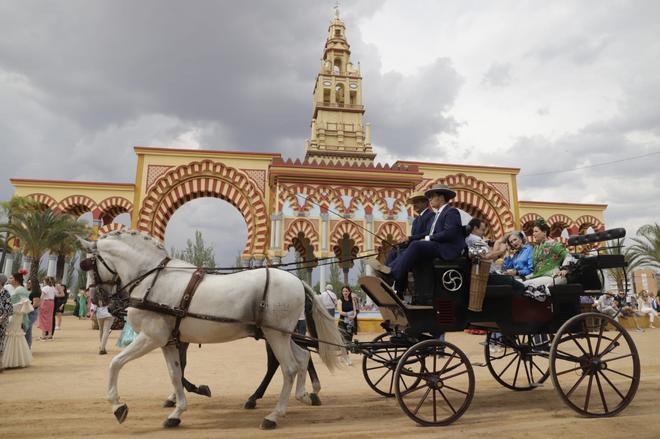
(446, 383)
(518, 362)
(378, 367)
(594, 365)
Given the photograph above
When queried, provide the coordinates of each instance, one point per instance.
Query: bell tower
(338, 132)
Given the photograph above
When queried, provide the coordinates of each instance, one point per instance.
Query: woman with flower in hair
(548, 257)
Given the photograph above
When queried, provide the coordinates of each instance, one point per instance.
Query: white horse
(232, 298)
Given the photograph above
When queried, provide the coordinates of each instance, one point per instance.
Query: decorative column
(277, 230)
(9, 263)
(65, 272)
(325, 217)
(52, 265)
(369, 218)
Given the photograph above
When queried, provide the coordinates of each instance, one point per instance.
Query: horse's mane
(134, 236)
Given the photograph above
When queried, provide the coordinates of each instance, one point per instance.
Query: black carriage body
(442, 296)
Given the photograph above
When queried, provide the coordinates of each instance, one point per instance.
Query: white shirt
(435, 220)
(329, 299)
(102, 312)
(48, 292)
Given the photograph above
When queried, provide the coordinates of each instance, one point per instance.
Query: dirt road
(63, 394)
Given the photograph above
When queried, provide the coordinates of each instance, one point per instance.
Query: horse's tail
(331, 343)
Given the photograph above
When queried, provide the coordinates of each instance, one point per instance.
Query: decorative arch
(111, 207)
(206, 178)
(77, 205)
(474, 195)
(346, 227)
(527, 222)
(390, 229)
(45, 200)
(586, 221)
(306, 227)
(112, 227)
(399, 201)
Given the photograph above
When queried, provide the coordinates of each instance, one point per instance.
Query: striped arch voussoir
(586, 221)
(390, 229)
(529, 217)
(45, 200)
(304, 226)
(206, 178)
(112, 227)
(352, 230)
(77, 205)
(113, 206)
(560, 219)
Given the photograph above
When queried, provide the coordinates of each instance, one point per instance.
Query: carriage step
(479, 364)
(536, 385)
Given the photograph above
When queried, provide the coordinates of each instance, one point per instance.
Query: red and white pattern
(111, 207)
(45, 200)
(389, 230)
(306, 227)
(206, 178)
(155, 171)
(342, 227)
(112, 227)
(77, 205)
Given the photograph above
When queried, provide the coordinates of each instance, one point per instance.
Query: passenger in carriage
(445, 239)
(420, 226)
(519, 262)
(548, 257)
(476, 229)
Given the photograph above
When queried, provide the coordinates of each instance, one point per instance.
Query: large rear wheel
(594, 365)
(518, 362)
(445, 383)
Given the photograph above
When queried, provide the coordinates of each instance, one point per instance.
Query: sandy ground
(63, 394)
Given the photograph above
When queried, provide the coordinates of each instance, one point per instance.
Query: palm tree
(8, 209)
(646, 248)
(66, 243)
(41, 230)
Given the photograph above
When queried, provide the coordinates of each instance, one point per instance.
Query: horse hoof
(169, 403)
(204, 390)
(121, 412)
(250, 404)
(171, 422)
(315, 399)
(267, 424)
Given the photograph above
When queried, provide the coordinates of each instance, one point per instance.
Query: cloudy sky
(544, 86)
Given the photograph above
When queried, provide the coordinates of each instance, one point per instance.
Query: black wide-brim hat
(440, 189)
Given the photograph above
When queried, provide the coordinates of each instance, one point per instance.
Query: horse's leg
(281, 345)
(302, 359)
(203, 389)
(316, 383)
(272, 365)
(172, 359)
(140, 346)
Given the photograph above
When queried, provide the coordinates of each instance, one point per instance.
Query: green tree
(196, 253)
(66, 243)
(645, 251)
(8, 209)
(40, 230)
(335, 278)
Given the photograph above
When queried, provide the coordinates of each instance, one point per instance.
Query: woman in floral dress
(548, 257)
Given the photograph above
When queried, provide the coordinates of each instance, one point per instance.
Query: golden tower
(338, 133)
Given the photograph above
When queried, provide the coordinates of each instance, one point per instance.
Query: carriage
(591, 359)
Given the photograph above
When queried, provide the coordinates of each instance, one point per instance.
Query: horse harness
(180, 311)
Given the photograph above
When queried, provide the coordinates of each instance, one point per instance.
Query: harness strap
(259, 315)
(157, 269)
(188, 294)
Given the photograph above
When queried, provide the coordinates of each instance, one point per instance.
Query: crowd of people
(23, 307)
(621, 306)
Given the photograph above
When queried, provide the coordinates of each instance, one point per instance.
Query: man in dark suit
(421, 224)
(445, 239)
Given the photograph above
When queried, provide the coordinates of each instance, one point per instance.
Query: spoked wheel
(518, 362)
(445, 383)
(378, 367)
(594, 365)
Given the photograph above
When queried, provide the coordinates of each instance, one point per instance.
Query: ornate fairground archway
(479, 199)
(207, 178)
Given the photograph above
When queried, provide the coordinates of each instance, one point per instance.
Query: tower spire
(338, 132)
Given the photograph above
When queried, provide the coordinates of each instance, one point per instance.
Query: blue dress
(127, 335)
(522, 261)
